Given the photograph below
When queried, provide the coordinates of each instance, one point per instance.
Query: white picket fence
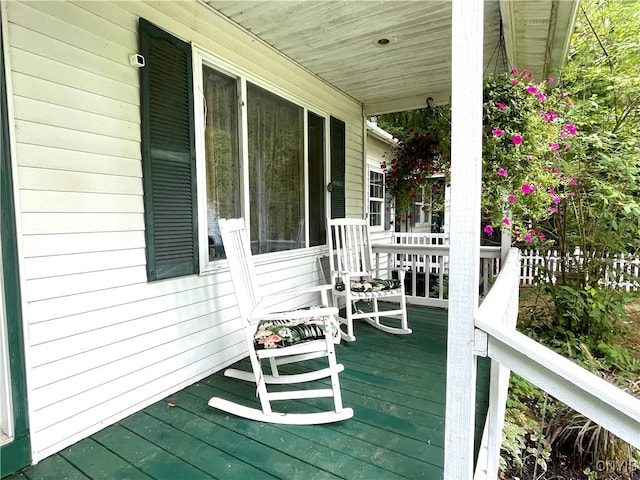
(622, 274)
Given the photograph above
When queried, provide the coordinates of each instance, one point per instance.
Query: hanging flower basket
(414, 160)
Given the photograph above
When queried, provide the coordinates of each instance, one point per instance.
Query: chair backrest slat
(243, 274)
(349, 245)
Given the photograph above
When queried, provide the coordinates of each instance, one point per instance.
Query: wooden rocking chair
(352, 275)
(282, 338)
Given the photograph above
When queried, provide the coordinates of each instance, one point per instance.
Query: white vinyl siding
(101, 341)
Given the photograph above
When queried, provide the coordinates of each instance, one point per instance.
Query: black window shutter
(168, 154)
(337, 134)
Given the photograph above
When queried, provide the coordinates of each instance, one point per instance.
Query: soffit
(337, 41)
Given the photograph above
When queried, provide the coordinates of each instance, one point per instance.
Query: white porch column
(466, 171)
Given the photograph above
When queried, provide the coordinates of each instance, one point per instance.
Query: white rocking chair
(304, 334)
(352, 275)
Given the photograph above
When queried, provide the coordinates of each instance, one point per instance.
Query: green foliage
(523, 442)
(576, 316)
(435, 119)
(528, 137)
(603, 74)
(587, 443)
(595, 313)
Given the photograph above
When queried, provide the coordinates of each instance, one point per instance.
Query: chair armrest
(402, 271)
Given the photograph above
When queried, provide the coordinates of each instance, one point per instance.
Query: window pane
(222, 154)
(437, 205)
(376, 198)
(317, 213)
(376, 188)
(375, 214)
(276, 155)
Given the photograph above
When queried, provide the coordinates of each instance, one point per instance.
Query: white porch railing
(510, 350)
(623, 272)
(602, 402)
(426, 259)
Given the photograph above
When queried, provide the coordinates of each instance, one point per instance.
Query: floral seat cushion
(284, 333)
(373, 285)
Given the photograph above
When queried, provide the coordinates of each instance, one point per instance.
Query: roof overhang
(392, 55)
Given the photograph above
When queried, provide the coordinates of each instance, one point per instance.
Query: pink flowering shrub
(528, 134)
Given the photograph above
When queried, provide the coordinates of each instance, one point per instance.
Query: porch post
(466, 171)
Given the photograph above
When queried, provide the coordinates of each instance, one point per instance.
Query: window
(428, 208)
(276, 172)
(222, 151)
(264, 156)
(246, 150)
(376, 198)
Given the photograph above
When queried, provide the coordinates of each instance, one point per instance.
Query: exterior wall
(102, 342)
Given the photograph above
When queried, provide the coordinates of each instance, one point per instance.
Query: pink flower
(502, 172)
(532, 89)
(512, 198)
(501, 106)
(556, 171)
(572, 181)
(550, 80)
(549, 117)
(555, 200)
(527, 238)
(541, 96)
(514, 70)
(570, 128)
(552, 191)
(497, 132)
(570, 104)
(529, 157)
(514, 81)
(567, 146)
(542, 235)
(526, 188)
(553, 210)
(516, 139)
(488, 230)
(563, 135)
(554, 146)
(506, 221)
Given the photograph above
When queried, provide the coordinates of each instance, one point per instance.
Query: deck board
(395, 384)
(100, 463)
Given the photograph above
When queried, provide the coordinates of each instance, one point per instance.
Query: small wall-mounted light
(136, 60)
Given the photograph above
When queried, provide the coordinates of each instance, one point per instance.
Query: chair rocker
(280, 338)
(353, 279)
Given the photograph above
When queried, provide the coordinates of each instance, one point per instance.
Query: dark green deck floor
(395, 384)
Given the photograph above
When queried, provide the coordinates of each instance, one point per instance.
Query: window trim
(202, 57)
(381, 200)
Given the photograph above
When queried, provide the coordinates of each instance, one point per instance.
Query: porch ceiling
(338, 42)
